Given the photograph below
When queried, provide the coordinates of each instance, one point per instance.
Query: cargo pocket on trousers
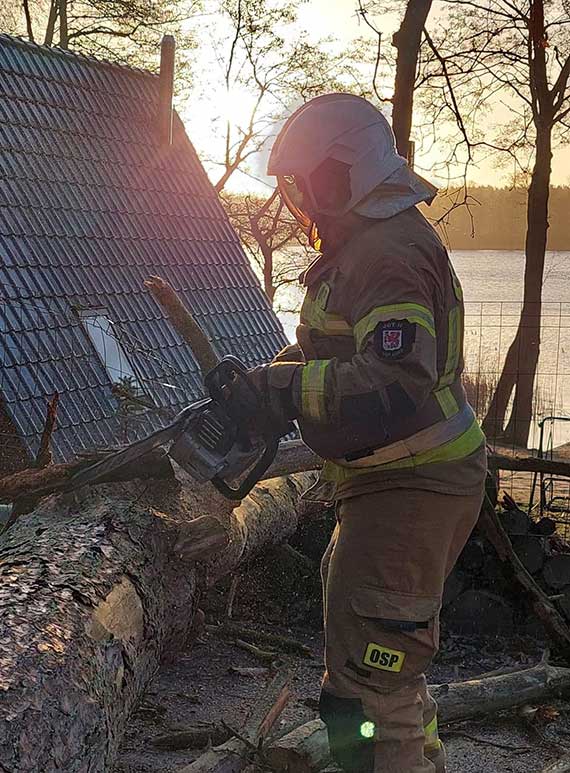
(396, 635)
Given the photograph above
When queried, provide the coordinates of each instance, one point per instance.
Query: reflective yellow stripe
(447, 402)
(413, 312)
(431, 734)
(313, 315)
(457, 289)
(313, 390)
(467, 443)
(453, 347)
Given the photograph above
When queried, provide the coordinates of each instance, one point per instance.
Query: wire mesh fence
(490, 329)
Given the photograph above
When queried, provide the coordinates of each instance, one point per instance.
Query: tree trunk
(519, 371)
(50, 28)
(63, 38)
(267, 253)
(29, 25)
(94, 593)
(408, 41)
(529, 328)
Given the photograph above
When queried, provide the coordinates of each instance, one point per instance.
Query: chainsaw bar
(135, 450)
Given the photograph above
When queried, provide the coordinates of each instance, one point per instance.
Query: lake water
(493, 285)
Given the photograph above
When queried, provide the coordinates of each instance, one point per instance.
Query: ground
(198, 687)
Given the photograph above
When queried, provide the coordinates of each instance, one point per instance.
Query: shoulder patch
(394, 338)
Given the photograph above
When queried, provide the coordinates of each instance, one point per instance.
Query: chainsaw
(226, 437)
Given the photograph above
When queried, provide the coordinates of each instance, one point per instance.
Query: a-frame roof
(91, 205)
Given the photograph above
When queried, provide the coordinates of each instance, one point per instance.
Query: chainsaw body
(226, 438)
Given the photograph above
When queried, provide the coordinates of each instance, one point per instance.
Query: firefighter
(374, 383)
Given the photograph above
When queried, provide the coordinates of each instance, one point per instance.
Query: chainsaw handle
(253, 477)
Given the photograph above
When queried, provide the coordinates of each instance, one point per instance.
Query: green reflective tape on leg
(412, 312)
(447, 402)
(313, 404)
(367, 729)
(431, 734)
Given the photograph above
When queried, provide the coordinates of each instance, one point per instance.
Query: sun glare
(236, 106)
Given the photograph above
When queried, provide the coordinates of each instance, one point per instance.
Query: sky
(322, 18)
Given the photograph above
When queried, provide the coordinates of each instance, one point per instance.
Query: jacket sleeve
(395, 367)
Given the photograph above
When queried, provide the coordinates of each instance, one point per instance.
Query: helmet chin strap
(335, 232)
(315, 239)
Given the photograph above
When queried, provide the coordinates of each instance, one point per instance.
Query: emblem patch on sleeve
(394, 338)
(383, 658)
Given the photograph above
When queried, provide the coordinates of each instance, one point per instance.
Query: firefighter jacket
(375, 374)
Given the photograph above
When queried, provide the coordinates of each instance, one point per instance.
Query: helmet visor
(295, 201)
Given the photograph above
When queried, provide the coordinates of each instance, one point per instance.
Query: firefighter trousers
(383, 576)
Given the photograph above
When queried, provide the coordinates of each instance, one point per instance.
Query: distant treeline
(496, 219)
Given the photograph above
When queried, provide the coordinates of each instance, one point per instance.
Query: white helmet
(331, 154)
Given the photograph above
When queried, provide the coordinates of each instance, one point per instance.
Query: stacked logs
(481, 594)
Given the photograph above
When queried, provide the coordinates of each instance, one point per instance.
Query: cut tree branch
(183, 322)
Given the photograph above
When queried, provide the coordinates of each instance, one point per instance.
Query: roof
(91, 205)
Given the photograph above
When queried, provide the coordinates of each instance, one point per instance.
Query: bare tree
(127, 31)
(407, 41)
(258, 58)
(515, 53)
(271, 237)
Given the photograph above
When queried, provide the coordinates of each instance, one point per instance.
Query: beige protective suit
(375, 381)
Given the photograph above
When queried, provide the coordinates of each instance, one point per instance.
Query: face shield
(291, 188)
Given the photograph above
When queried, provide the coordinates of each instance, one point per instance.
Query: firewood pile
(482, 595)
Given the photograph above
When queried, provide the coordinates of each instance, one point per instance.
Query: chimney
(165, 88)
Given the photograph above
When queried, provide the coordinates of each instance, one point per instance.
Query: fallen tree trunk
(81, 637)
(50, 479)
(529, 464)
(305, 749)
(293, 456)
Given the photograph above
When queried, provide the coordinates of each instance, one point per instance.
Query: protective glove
(274, 384)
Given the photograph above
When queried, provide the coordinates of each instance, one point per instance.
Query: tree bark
(48, 480)
(82, 635)
(305, 749)
(528, 464)
(562, 766)
(407, 41)
(183, 322)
